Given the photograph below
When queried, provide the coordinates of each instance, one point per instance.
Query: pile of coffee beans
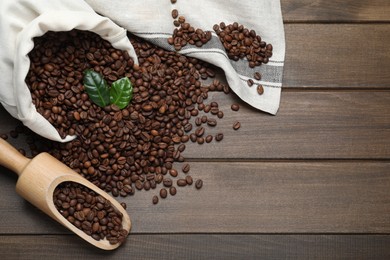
(240, 42)
(185, 33)
(89, 212)
(122, 151)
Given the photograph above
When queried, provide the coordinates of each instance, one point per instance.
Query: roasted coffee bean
(250, 82)
(181, 182)
(199, 131)
(189, 180)
(175, 13)
(167, 182)
(220, 114)
(181, 147)
(172, 191)
(235, 107)
(155, 199)
(163, 193)
(236, 125)
(257, 76)
(209, 138)
(211, 122)
(260, 89)
(173, 172)
(186, 168)
(219, 137)
(200, 140)
(198, 184)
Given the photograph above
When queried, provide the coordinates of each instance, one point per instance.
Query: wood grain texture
(337, 56)
(335, 11)
(347, 125)
(265, 197)
(203, 246)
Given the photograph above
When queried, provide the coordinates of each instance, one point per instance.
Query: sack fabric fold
(22, 20)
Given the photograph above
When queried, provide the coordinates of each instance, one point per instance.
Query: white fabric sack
(152, 20)
(20, 22)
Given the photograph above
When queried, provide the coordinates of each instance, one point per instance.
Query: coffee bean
(211, 122)
(181, 182)
(155, 199)
(189, 180)
(260, 89)
(163, 193)
(236, 125)
(235, 107)
(250, 82)
(172, 191)
(173, 1)
(209, 138)
(173, 172)
(181, 147)
(199, 131)
(257, 76)
(175, 13)
(219, 137)
(186, 168)
(198, 184)
(200, 140)
(167, 182)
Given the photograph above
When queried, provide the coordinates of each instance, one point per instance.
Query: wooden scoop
(38, 179)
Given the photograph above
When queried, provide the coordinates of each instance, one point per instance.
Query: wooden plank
(332, 125)
(254, 197)
(203, 246)
(337, 56)
(335, 11)
(319, 125)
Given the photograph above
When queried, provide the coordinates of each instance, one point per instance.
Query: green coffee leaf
(121, 92)
(96, 88)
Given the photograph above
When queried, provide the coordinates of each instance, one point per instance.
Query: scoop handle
(12, 158)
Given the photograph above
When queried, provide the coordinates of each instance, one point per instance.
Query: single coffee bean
(260, 89)
(163, 193)
(181, 147)
(220, 114)
(167, 182)
(198, 184)
(211, 122)
(257, 76)
(175, 13)
(172, 191)
(200, 140)
(155, 199)
(181, 182)
(235, 107)
(173, 172)
(189, 180)
(209, 138)
(250, 82)
(186, 168)
(219, 137)
(236, 125)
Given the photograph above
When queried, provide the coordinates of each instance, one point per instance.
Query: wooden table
(311, 182)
